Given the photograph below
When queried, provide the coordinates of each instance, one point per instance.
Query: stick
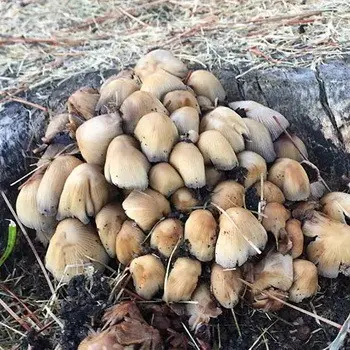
(25, 102)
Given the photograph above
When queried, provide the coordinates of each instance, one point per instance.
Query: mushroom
(205, 104)
(264, 115)
(71, 247)
(180, 98)
(27, 207)
(291, 178)
(305, 280)
(271, 193)
(165, 235)
(275, 218)
(289, 146)
(212, 177)
(217, 150)
(255, 165)
(182, 280)
(226, 285)
(186, 120)
(206, 84)
(128, 242)
(109, 221)
(148, 274)
(165, 179)
(201, 234)
(260, 140)
(146, 207)
(157, 135)
(160, 83)
(136, 106)
(295, 234)
(56, 125)
(228, 194)
(126, 166)
(52, 183)
(83, 102)
(241, 235)
(203, 309)
(184, 200)
(158, 60)
(330, 251)
(114, 92)
(94, 136)
(84, 194)
(336, 205)
(188, 161)
(303, 209)
(229, 123)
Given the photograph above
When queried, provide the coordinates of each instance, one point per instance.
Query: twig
(191, 336)
(12, 313)
(236, 323)
(29, 241)
(25, 102)
(261, 335)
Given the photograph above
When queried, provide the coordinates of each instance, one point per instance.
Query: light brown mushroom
(182, 280)
(290, 147)
(84, 194)
(83, 102)
(291, 178)
(255, 165)
(295, 234)
(186, 120)
(157, 135)
(146, 207)
(212, 177)
(201, 234)
(184, 199)
(57, 124)
(271, 193)
(336, 205)
(180, 98)
(71, 247)
(228, 194)
(148, 274)
(241, 235)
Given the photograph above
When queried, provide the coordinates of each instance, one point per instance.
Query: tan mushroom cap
(126, 166)
(271, 193)
(109, 221)
(83, 102)
(160, 60)
(94, 136)
(188, 161)
(136, 106)
(72, 246)
(182, 280)
(57, 124)
(157, 135)
(203, 309)
(295, 234)
(237, 226)
(305, 280)
(146, 207)
(255, 165)
(330, 251)
(184, 199)
(226, 285)
(128, 243)
(52, 183)
(291, 178)
(228, 194)
(27, 208)
(287, 148)
(165, 179)
(180, 98)
(186, 119)
(205, 104)
(217, 150)
(84, 194)
(166, 234)
(206, 84)
(336, 205)
(264, 115)
(201, 234)
(260, 140)
(148, 274)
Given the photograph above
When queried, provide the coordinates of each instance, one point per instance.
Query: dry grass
(46, 41)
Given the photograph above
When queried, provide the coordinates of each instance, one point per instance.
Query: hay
(47, 41)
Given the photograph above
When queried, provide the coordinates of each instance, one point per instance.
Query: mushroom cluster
(198, 198)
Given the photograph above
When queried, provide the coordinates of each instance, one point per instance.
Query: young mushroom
(295, 235)
(182, 280)
(184, 200)
(291, 178)
(57, 125)
(83, 102)
(305, 280)
(290, 148)
(94, 136)
(148, 274)
(84, 194)
(201, 234)
(241, 236)
(188, 161)
(157, 135)
(271, 193)
(186, 120)
(255, 165)
(73, 245)
(336, 205)
(126, 166)
(178, 99)
(226, 285)
(228, 194)
(146, 207)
